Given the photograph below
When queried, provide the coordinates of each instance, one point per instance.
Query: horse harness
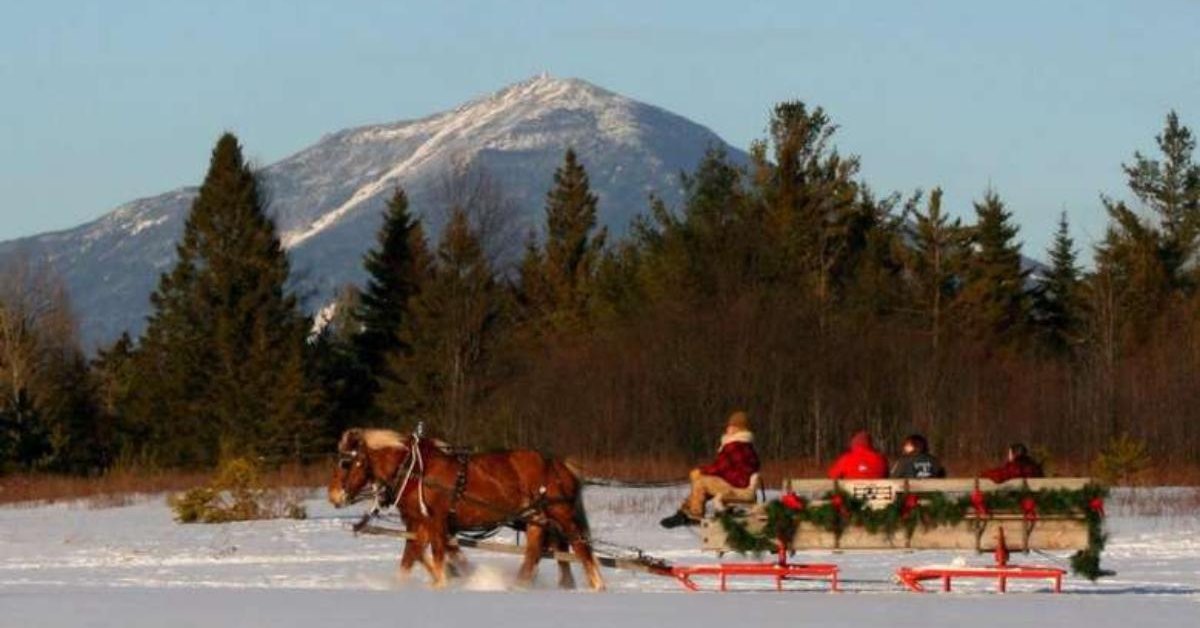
(460, 487)
(413, 467)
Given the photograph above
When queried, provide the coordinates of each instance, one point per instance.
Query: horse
(386, 448)
(440, 493)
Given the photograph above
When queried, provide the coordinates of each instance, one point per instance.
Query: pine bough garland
(840, 510)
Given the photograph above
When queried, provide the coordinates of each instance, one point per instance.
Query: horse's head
(353, 470)
(364, 457)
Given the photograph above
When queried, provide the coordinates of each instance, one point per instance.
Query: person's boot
(680, 518)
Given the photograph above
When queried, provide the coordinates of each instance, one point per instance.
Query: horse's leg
(438, 544)
(583, 549)
(576, 533)
(425, 538)
(458, 560)
(566, 579)
(413, 551)
(534, 542)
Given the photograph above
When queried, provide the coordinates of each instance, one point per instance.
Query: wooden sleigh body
(1057, 532)
(991, 531)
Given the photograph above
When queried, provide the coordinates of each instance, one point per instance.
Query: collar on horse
(413, 468)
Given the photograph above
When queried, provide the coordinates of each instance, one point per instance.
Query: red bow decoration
(791, 501)
(1097, 505)
(911, 501)
(1029, 507)
(979, 503)
(839, 504)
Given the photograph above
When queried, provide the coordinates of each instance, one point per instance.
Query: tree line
(785, 286)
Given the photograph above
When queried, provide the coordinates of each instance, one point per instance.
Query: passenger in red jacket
(736, 463)
(1019, 465)
(861, 462)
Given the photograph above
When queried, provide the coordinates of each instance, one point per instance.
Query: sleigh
(1045, 515)
(1059, 514)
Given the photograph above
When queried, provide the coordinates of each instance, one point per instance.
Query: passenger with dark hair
(1019, 465)
(915, 461)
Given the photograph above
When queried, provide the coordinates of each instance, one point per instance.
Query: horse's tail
(575, 467)
(572, 488)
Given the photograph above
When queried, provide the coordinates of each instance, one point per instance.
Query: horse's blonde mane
(378, 438)
(382, 438)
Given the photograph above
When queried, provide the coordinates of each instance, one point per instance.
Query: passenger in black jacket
(916, 462)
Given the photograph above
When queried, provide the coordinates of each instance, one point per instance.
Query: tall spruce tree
(812, 203)
(112, 375)
(713, 248)
(995, 300)
(1059, 299)
(934, 260)
(450, 336)
(1170, 189)
(557, 278)
(221, 366)
(1144, 260)
(396, 268)
(1135, 276)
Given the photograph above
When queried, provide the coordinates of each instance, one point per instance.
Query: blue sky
(104, 102)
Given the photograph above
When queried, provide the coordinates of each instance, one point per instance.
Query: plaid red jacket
(736, 461)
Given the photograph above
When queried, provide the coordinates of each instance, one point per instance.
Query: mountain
(327, 199)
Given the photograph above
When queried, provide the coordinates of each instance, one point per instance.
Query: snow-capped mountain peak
(327, 199)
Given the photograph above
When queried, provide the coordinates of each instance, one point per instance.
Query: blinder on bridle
(346, 461)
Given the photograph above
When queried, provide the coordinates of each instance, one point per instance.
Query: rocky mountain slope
(327, 199)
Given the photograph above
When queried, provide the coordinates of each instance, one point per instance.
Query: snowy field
(131, 565)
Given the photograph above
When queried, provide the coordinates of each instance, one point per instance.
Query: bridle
(348, 460)
(412, 467)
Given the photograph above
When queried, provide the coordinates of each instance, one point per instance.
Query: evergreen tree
(557, 279)
(451, 334)
(68, 410)
(1134, 276)
(811, 199)
(1059, 299)
(713, 249)
(24, 441)
(1143, 262)
(112, 375)
(994, 299)
(871, 275)
(395, 269)
(935, 263)
(221, 366)
(1170, 189)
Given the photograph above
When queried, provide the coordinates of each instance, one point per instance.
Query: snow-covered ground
(77, 565)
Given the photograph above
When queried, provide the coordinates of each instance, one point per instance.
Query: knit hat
(739, 420)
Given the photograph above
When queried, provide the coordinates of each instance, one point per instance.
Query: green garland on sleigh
(840, 510)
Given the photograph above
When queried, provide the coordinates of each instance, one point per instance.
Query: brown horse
(439, 494)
